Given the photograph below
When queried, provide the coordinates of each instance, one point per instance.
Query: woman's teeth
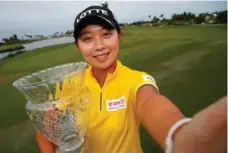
(102, 57)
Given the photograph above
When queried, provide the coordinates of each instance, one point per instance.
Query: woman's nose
(99, 44)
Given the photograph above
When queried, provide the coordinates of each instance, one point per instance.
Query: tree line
(218, 17)
(11, 39)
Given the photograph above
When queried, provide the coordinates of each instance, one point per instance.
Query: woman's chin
(105, 65)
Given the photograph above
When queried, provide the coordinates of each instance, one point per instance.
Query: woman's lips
(102, 57)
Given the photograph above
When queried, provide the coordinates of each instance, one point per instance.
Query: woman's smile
(102, 57)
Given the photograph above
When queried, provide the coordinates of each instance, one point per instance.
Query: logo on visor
(88, 12)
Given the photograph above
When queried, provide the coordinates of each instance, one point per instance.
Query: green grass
(10, 47)
(188, 63)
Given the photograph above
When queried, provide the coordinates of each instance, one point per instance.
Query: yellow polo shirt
(114, 127)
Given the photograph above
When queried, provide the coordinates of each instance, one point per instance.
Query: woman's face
(99, 46)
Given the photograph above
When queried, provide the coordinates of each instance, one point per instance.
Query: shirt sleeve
(145, 79)
(140, 79)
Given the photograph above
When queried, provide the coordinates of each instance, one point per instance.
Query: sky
(48, 17)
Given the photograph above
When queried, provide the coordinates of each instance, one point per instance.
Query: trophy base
(79, 149)
(76, 150)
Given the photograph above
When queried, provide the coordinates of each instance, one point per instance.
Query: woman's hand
(44, 145)
(206, 133)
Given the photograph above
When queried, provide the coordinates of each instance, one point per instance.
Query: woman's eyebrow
(84, 32)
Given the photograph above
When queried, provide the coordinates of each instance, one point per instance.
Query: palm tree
(174, 17)
(155, 19)
(15, 37)
(161, 16)
(149, 16)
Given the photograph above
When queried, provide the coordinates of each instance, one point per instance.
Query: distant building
(58, 34)
(2, 42)
(215, 15)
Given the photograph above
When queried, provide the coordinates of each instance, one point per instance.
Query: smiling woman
(102, 39)
(123, 98)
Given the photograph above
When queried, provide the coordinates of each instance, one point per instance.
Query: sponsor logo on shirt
(116, 104)
(148, 78)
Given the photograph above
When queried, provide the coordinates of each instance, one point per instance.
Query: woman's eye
(107, 34)
(87, 39)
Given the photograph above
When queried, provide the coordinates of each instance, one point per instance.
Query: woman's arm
(44, 145)
(156, 113)
(206, 133)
